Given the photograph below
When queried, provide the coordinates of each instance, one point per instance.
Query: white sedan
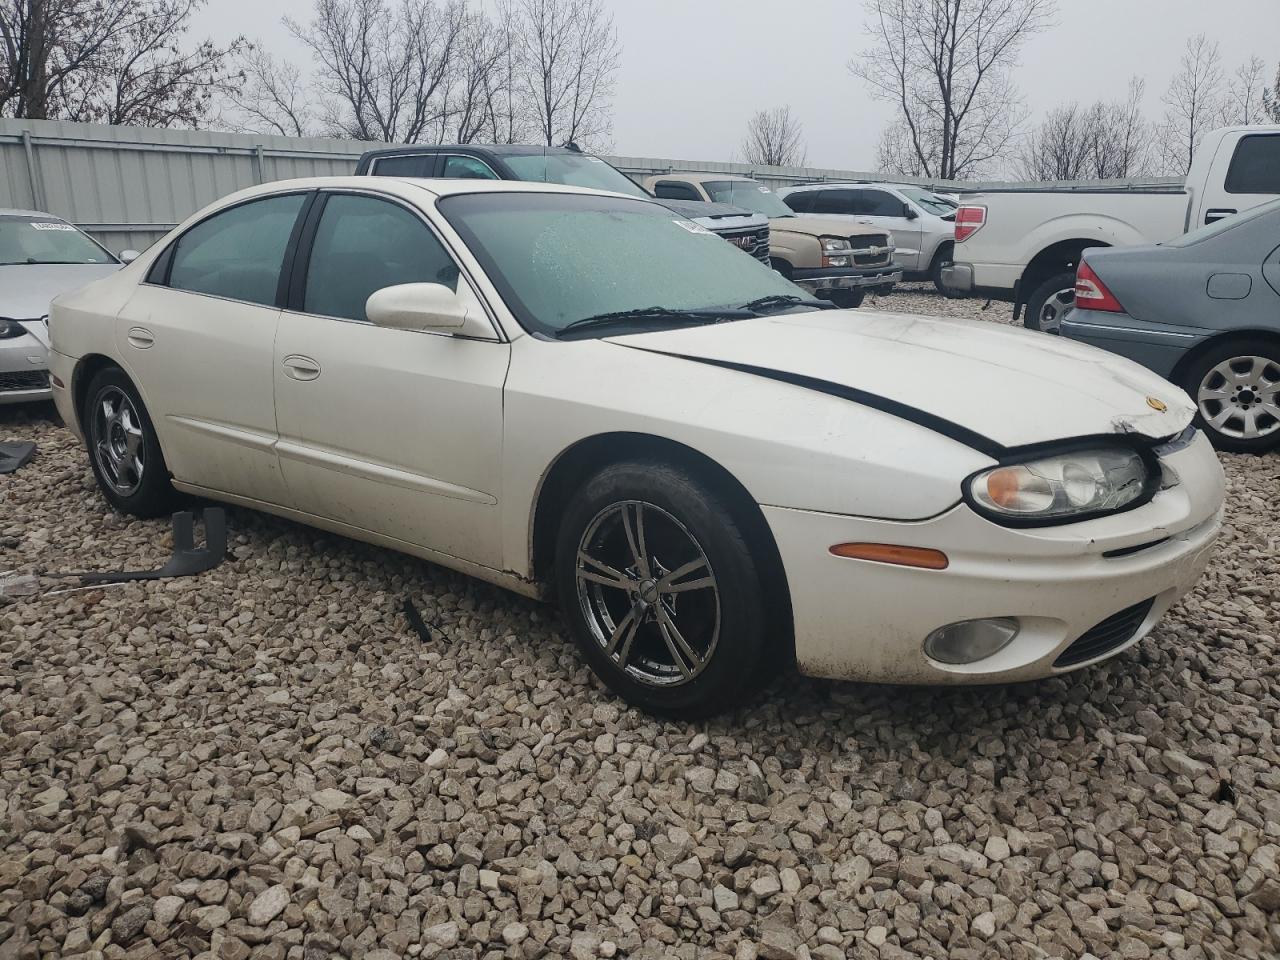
(580, 394)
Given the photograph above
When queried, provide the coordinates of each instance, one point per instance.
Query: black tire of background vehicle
(847, 299)
(1195, 374)
(1035, 303)
(781, 266)
(741, 662)
(940, 260)
(155, 496)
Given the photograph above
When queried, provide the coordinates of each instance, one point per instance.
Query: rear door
(198, 335)
(1244, 173)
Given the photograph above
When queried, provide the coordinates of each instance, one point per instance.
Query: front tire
(847, 299)
(1049, 301)
(940, 260)
(1236, 390)
(662, 591)
(123, 448)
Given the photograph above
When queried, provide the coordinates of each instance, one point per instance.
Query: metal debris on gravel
(265, 761)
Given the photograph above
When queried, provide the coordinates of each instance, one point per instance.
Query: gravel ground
(266, 761)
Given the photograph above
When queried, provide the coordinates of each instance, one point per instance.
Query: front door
(882, 209)
(393, 431)
(199, 336)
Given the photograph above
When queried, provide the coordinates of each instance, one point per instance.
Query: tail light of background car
(969, 220)
(1092, 293)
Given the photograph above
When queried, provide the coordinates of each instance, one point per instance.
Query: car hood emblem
(1155, 403)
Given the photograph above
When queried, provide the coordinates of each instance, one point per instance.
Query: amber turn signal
(889, 553)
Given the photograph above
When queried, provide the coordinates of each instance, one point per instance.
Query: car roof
(13, 212)
(497, 149)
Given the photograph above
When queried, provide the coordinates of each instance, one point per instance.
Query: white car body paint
(438, 445)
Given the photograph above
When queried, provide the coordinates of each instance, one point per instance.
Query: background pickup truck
(1023, 244)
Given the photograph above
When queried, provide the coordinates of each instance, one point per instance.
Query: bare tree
(569, 56)
(113, 61)
(384, 70)
(774, 138)
(945, 65)
(1271, 100)
(1193, 103)
(897, 153)
(1242, 102)
(273, 98)
(1096, 142)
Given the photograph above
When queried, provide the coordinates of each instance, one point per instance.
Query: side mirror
(416, 306)
(128, 256)
(909, 212)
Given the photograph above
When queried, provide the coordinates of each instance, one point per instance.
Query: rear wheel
(123, 449)
(1049, 301)
(1236, 389)
(662, 591)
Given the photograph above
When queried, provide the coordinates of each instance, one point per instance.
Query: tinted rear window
(1255, 168)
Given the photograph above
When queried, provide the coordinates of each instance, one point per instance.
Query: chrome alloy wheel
(1053, 308)
(1240, 397)
(648, 593)
(118, 441)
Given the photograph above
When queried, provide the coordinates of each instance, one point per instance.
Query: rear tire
(1236, 390)
(124, 451)
(1049, 301)
(695, 647)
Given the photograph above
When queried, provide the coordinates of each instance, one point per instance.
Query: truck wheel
(1049, 301)
(940, 260)
(847, 299)
(1236, 390)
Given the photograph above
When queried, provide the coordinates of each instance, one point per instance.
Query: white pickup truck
(1023, 243)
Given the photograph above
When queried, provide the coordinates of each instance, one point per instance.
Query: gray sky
(693, 71)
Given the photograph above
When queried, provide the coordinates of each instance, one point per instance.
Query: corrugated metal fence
(128, 186)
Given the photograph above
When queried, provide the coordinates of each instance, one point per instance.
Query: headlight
(1063, 487)
(9, 329)
(835, 245)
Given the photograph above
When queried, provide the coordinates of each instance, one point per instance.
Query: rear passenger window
(675, 190)
(238, 253)
(458, 167)
(400, 166)
(363, 244)
(1255, 167)
(835, 201)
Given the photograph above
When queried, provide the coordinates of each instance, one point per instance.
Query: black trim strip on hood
(902, 411)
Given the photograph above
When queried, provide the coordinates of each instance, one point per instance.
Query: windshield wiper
(784, 300)
(660, 314)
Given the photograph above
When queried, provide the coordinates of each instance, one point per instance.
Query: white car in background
(921, 224)
(578, 393)
(41, 256)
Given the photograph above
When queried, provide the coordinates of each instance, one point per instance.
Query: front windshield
(559, 258)
(1223, 225)
(27, 240)
(927, 201)
(573, 170)
(747, 193)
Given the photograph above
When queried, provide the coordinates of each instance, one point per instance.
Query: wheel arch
(1189, 359)
(587, 456)
(86, 368)
(1056, 258)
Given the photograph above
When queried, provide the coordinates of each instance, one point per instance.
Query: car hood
(706, 210)
(27, 288)
(824, 226)
(988, 385)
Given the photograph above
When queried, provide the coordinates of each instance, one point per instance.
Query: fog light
(970, 640)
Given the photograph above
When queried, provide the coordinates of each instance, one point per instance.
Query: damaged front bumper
(821, 280)
(1064, 585)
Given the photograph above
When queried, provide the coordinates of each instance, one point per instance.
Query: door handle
(301, 368)
(1217, 213)
(141, 337)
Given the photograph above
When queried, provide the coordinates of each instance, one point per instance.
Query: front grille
(754, 241)
(33, 380)
(1112, 632)
(876, 246)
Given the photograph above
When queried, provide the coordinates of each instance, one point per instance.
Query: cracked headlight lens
(1063, 487)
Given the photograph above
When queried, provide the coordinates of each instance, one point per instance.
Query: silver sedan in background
(41, 256)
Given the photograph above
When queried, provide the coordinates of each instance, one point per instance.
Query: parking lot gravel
(267, 761)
